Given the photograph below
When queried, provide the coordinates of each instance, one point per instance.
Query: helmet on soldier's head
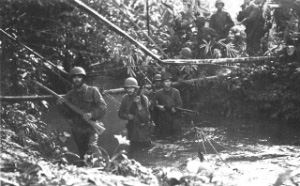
(219, 2)
(157, 77)
(186, 53)
(200, 20)
(238, 31)
(131, 83)
(77, 71)
(166, 76)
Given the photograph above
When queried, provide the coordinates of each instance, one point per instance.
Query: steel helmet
(131, 83)
(220, 2)
(186, 53)
(166, 76)
(157, 77)
(77, 71)
(200, 20)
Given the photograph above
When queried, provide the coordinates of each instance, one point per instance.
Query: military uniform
(221, 21)
(138, 128)
(169, 123)
(88, 99)
(154, 112)
(251, 17)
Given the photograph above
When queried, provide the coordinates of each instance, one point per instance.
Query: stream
(257, 151)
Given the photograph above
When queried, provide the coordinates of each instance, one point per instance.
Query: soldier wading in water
(135, 108)
(88, 99)
(166, 100)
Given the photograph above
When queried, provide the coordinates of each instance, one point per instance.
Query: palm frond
(207, 46)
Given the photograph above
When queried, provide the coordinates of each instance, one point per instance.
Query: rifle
(182, 110)
(186, 110)
(96, 125)
(135, 107)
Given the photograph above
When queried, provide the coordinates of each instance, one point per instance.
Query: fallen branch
(26, 98)
(8, 182)
(250, 157)
(104, 92)
(217, 60)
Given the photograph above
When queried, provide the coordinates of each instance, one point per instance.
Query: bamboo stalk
(113, 27)
(139, 28)
(218, 60)
(104, 92)
(27, 98)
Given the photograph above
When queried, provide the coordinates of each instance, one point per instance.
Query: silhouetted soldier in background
(221, 21)
(251, 17)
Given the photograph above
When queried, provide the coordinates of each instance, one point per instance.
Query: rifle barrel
(98, 128)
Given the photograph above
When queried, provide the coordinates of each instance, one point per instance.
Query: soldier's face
(167, 84)
(230, 36)
(157, 84)
(130, 91)
(77, 81)
(219, 6)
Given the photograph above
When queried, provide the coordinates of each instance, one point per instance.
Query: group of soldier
(160, 107)
(148, 115)
(156, 110)
(245, 39)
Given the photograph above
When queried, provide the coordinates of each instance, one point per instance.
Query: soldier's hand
(87, 116)
(173, 110)
(60, 101)
(130, 117)
(161, 108)
(137, 99)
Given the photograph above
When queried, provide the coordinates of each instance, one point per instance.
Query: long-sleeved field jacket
(88, 99)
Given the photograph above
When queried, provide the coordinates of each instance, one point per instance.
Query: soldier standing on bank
(166, 99)
(251, 17)
(88, 99)
(135, 108)
(221, 21)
